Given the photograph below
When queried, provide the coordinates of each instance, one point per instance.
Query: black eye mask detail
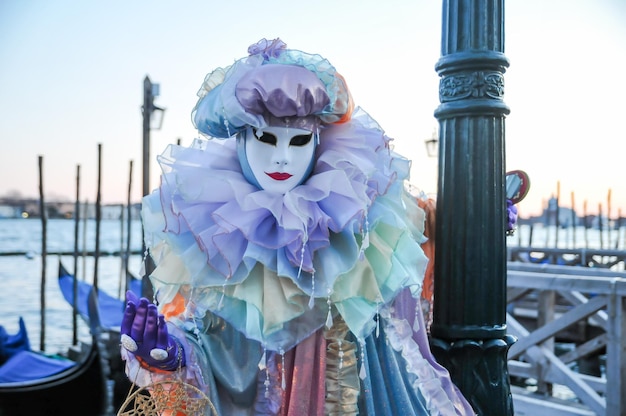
(269, 138)
(300, 140)
(265, 137)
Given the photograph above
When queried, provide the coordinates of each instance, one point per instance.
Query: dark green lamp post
(468, 334)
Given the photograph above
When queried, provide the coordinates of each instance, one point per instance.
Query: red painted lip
(279, 176)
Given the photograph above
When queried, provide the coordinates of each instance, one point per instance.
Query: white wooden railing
(560, 297)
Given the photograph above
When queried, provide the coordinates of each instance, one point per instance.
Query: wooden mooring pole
(469, 334)
(96, 256)
(75, 260)
(44, 254)
(129, 219)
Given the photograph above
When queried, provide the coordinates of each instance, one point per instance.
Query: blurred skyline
(71, 77)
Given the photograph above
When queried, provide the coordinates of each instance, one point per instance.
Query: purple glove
(144, 333)
(511, 211)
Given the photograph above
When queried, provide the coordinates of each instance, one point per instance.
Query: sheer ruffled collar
(225, 213)
(278, 267)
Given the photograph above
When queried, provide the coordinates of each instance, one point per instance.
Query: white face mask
(280, 158)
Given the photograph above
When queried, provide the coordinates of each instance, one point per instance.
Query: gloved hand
(511, 215)
(145, 334)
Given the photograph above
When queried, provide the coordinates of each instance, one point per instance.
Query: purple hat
(274, 86)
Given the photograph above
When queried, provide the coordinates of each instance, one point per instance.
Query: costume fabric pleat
(304, 394)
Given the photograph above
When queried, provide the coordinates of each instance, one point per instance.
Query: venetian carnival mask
(276, 159)
(275, 101)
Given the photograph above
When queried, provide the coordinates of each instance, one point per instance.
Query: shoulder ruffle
(274, 266)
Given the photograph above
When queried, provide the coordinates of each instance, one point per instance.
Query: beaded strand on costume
(362, 372)
(267, 381)
(226, 124)
(188, 313)
(340, 353)
(418, 309)
(305, 239)
(366, 236)
(283, 382)
(329, 317)
(312, 297)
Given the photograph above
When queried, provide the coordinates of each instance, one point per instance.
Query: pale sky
(72, 71)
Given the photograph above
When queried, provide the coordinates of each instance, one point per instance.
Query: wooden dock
(584, 306)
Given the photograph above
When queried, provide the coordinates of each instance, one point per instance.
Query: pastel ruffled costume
(305, 303)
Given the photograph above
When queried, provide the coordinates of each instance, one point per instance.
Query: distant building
(30, 208)
(567, 218)
(8, 211)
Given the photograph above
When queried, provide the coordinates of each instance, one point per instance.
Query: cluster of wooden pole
(125, 252)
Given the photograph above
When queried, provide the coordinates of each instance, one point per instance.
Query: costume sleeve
(229, 361)
(221, 362)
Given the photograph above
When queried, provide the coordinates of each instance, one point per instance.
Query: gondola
(13, 344)
(111, 310)
(111, 307)
(79, 389)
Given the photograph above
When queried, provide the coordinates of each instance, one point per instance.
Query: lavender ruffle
(270, 264)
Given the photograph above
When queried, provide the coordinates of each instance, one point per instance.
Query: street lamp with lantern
(432, 144)
(152, 120)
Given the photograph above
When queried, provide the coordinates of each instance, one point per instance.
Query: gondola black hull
(79, 390)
